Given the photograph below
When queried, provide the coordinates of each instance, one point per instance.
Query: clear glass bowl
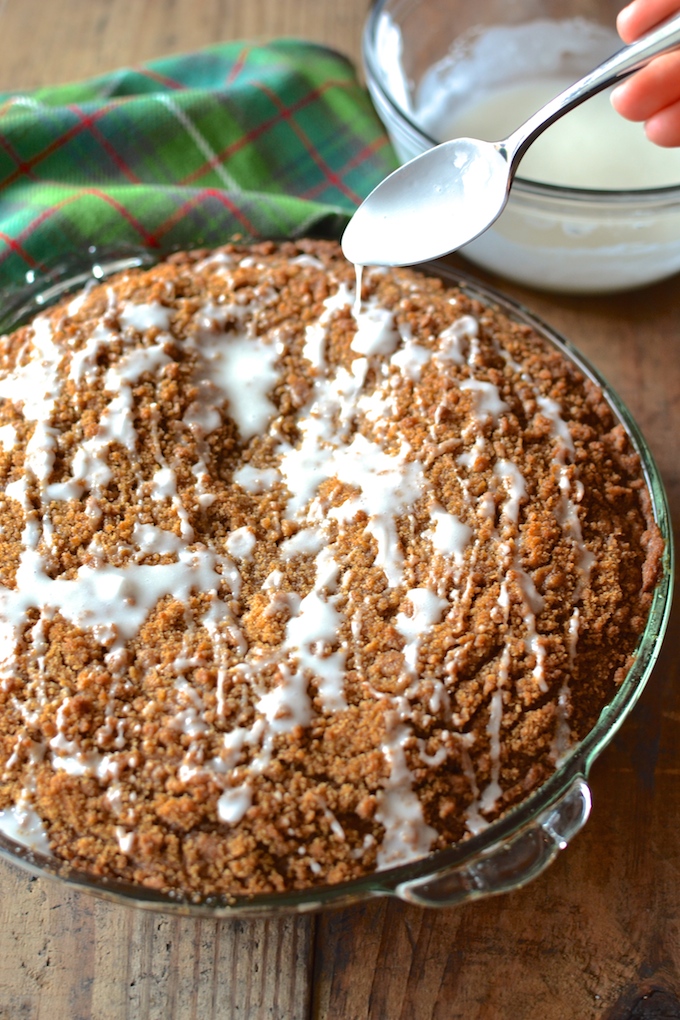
(550, 237)
(512, 850)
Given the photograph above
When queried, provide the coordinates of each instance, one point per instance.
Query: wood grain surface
(596, 936)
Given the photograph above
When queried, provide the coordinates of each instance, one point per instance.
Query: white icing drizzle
(235, 371)
(285, 706)
(487, 400)
(427, 609)
(233, 804)
(449, 535)
(142, 317)
(256, 480)
(359, 275)
(309, 634)
(307, 541)
(126, 840)
(455, 338)
(476, 822)
(511, 478)
(8, 437)
(389, 485)
(411, 359)
(241, 543)
(307, 260)
(487, 801)
(571, 494)
(239, 367)
(23, 824)
(376, 331)
(407, 836)
(315, 333)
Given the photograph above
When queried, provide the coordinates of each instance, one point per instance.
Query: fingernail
(614, 94)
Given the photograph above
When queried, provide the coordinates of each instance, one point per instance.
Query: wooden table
(597, 935)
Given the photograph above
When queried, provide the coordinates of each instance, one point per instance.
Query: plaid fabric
(261, 141)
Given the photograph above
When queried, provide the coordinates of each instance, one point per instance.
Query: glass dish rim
(41, 291)
(586, 196)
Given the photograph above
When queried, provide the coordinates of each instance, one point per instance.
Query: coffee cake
(295, 583)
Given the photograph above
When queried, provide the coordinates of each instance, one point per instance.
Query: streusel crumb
(294, 587)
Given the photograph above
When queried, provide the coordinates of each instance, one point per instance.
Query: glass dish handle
(509, 864)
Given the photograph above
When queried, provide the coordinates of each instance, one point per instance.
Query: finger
(649, 90)
(642, 15)
(664, 127)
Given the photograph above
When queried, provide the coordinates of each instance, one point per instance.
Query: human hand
(652, 94)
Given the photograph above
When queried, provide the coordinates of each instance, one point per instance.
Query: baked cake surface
(293, 586)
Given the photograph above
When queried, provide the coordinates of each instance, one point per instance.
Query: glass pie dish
(511, 850)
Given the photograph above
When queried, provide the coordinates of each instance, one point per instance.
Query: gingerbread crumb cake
(295, 586)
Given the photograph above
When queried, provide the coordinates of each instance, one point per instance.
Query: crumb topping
(297, 583)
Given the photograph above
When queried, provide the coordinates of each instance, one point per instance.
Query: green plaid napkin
(262, 141)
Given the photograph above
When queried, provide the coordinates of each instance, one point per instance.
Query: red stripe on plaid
(46, 214)
(237, 66)
(359, 157)
(245, 139)
(287, 114)
(56, 144)
(368, 150)
(88, 121)
(13, 246)
(196, 200)
(132, 220)
(161, 79)
(14, 156)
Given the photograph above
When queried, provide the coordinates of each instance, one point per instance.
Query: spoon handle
(662, 39)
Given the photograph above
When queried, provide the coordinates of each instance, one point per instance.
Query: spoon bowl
(432, 205)
(448, 195)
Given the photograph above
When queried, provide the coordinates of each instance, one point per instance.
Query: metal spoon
(451, 193)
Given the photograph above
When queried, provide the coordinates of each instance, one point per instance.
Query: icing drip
(449, 535)
(407, 836)
(22, 824)
(239, 367)
(233, 804)
(312, 631)
(426, 610)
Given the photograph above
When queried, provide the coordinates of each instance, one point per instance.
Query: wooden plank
(65, 40)
(65, 954)
(46, 948)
